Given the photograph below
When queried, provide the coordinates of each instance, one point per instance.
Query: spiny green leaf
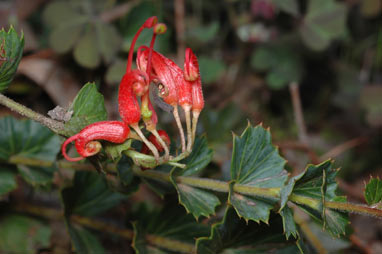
(373, 191)
(319, 185)
(255, 162)
(89, 195)
(84, 242)
(233, 233)
(170, 222)
(199, 158)
(290, 228)
(88, 107)
(7, 180)
(11, 51)
(324, 22)
(27, 138)
(196, 201)
(20, 234)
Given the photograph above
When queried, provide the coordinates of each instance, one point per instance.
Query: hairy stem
(211, 184)
(180, 127)
(55, 126)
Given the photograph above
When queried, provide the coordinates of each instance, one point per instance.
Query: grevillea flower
(85, 140)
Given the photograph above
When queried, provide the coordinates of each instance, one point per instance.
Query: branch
(214, 185)
(55, 214)
(298, 114)
(55, 126)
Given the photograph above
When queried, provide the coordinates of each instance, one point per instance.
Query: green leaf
(196, 201)
(115, 150)
(28, 139)
(199, 158)
(37, 176)
(86, 50)
(11, 51)
(318, 185)
(234, 235)
(281, 62)
(84, 241)
(59, 13)
(170, 222)
(7, 180)
(263, 59)
(373, 191)
(63, 38)
(203, 33)
(210, 69)
(324, 21)
(20, 234)
(109, 41)
(89, 195)
(255, 162)
(116, 71)
(88, 107)
(289, 6)
(290, 228)
(129, 182)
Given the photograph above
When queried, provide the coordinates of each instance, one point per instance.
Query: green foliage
(196, 201)
(170, 222)
(255, 163)
(20, 234)
(289, 6)
(84, 241)
(373, 191)
(282, 64)
(317, 184)
(233, 235)
(11, 50)
(88, 107)
(324, 22)
(7, 180)
(89, 195)
(210, 69)
(73, 28)
(30, 140)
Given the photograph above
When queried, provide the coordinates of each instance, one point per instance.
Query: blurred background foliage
(249, 51)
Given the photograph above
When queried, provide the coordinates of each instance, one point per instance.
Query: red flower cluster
(176, 87)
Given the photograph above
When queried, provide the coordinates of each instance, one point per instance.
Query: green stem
(55, 126)
(211, 184)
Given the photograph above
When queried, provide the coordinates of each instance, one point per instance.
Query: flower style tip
(160, 28)
(150, 22)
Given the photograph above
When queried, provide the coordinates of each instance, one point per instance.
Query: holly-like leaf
(196, 201)
(373, 191)
(233, 235)
(316, 186)
(289, 225)
(20, 234)
(11, 51)
(170, 223)
(255, 162)
(89, 195)
(324, 21)
(84, 241)
(7, 180)
(88, 107)
(28, 139)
